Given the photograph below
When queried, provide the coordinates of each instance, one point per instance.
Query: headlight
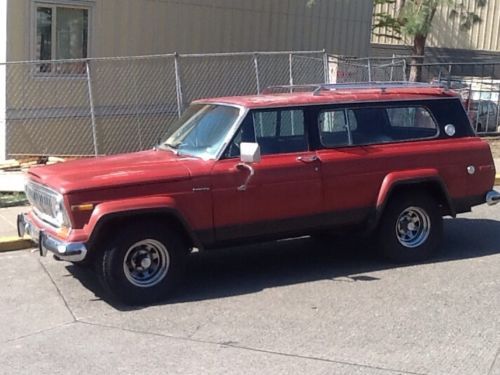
(60, 214)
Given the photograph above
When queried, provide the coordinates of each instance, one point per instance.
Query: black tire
(128, 247)
(411, 228)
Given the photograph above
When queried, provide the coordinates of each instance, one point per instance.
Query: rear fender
(413, 179)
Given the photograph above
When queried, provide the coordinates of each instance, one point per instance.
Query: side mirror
(249, 152)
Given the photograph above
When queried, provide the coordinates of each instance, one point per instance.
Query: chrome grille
(43, 200)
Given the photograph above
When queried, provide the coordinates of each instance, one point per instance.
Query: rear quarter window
(375, 125)
(411, 123)
(451, 111)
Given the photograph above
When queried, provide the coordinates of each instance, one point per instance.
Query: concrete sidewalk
(8, 218)
(9, 240)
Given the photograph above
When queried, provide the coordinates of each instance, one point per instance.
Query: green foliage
(416, 16)
(413, 18)
(12, 199)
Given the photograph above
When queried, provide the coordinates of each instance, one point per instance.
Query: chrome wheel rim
(413, 227)
(146, 263)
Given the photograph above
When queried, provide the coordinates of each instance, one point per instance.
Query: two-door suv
(390, 159)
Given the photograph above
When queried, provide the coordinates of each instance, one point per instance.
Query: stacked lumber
(12, 165)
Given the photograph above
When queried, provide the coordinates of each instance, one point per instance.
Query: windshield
(201, 130)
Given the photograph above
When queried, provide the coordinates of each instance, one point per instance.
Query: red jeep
(389, 159)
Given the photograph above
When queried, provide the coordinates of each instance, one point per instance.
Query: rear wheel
(142, 264)
(411, 228)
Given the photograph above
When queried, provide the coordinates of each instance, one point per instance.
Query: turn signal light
(82, 207)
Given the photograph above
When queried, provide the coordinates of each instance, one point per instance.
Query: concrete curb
(14, 243)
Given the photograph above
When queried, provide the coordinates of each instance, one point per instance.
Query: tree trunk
(418, 52)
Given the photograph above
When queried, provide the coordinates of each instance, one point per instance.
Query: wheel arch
(110, 223)
(429, 181)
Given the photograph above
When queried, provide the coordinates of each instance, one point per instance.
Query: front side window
(61, 33)
(202, 130)
(277, 132)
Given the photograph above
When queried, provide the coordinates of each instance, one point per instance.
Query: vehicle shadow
(250, 269)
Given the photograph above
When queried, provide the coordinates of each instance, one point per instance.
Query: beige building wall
(3, 76)
(446, 33)
(135, 99)
(141, 27)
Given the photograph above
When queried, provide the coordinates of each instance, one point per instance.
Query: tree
(412, 19)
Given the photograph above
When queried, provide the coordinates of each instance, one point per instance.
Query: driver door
(284, 194)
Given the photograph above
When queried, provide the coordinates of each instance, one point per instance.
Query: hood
(108, 171)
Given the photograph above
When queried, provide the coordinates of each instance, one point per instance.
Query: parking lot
(298, 306)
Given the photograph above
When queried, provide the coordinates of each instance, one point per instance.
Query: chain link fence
(478, 82)
(346, 69)
(113, 105)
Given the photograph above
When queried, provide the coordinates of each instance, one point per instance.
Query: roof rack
(317, 88)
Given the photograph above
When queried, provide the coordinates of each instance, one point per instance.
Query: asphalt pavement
(298, 306)
(8, 220)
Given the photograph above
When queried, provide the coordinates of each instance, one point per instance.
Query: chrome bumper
(69, 251)
(492, 197)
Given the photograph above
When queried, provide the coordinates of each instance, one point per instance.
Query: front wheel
(411, 228)
(142, 264)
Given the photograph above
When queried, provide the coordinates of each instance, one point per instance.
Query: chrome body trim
(44, 201)
(233, 130)
(492, 197)
(250, 175)
(26, 228)
(69, 251)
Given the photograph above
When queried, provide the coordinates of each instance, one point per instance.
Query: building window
(61, 33)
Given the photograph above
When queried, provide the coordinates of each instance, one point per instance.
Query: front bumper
(69, 251)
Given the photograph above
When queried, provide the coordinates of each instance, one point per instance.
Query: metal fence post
(449, 75)
(178, 86)
(290, 67)
(256, 65)
(405, 77)
(369, 70)
(497, 120)
(92, 109)
(326, 66)
(391, 77)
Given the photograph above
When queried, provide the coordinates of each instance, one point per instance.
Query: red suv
(390, 159)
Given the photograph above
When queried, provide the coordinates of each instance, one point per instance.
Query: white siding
(3, 83)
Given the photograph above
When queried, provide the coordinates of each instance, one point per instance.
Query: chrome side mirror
(249, 152)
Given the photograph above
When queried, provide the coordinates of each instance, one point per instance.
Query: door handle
(308, 159)
(250, 175)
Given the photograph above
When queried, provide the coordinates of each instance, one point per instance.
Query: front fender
(123, 207)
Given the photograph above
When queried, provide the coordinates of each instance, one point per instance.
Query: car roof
(340, 95)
